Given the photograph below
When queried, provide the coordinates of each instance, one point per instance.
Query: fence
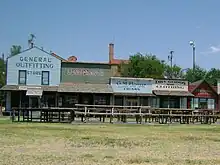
(115, 114)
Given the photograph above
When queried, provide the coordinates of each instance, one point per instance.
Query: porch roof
(134, 94)
(16, 88)
(85, 88)
(172, 93)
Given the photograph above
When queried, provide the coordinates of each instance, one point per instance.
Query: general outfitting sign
(170, 85)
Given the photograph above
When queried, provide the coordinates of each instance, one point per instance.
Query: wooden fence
(115, 114)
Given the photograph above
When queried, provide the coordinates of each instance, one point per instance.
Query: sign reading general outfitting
(170, 85)
(35, 62)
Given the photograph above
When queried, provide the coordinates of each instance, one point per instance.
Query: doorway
(34, 102)
(132, 102)
(203, 103)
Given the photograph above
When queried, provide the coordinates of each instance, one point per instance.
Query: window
(100, 100)
(22, 77)
(119, 100)
(45, 78)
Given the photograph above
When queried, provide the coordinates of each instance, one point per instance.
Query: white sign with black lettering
(170, 85)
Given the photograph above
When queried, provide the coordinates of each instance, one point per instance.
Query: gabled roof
(193, 86)
(52, 54)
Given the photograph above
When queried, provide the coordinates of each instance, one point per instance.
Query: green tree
(198, 74)
(141, 66)
(173, 73)
(212, 75)
(15, 49)
(2, 78)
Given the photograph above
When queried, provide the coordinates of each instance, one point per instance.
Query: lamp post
(192, 43)
(170, 58)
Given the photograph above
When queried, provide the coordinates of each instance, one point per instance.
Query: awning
(9, 88)
(20, 87)
(172, 93)
(34, 92)
(85, 88)
(134, 94)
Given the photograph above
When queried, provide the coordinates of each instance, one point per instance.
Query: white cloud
(212, 50)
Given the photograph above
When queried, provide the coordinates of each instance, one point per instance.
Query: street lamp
(192, 43)
(170, 58)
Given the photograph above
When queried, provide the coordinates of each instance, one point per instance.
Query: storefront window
(203, 103)
(48, 101)
(211, 103)
(145, 101)
(195, 103)
(68, 101)
(119, 100)
(100, 100)
(170, 102)
(183, 102)
(155, 102)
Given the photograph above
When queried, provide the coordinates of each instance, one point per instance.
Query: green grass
(56, 144)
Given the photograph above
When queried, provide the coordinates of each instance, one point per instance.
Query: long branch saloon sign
(83, 72)
(171, 85)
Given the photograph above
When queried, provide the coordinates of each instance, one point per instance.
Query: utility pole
(170, 58)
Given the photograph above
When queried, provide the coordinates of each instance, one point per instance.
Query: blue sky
(84, 28)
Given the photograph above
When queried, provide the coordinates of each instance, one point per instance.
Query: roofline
(62, 59)
(196, 86)
(171, 79)
(95, 63)
(131, 78)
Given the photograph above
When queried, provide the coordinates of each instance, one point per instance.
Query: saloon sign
(170, 85)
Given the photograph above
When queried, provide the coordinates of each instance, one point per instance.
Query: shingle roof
(85, 88)
(193, 86)
(172, 93)
(16, 87)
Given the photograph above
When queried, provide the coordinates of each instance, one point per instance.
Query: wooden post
(19, 114)
(31, 115)
(85, 113)
(112, 115)
(140, 114)
(23, 114)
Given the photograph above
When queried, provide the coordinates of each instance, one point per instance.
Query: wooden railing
(122, 113)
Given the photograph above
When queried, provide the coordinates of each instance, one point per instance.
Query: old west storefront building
(33, 77)
(85, 83)
(205, 95)
(131, 91)
(171, 93)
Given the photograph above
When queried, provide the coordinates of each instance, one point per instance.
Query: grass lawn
(60, 144)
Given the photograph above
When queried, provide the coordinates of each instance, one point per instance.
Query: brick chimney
(111, 52)
(72, 59)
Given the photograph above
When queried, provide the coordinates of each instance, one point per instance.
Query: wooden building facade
(171, 93)
(205, 96)
(131, 91)
(36, 78)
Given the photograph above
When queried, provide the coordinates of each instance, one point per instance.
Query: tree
(2, 78)
(141, 66)
(15, 49)
(173, 73)
(198, 74)
(212, 76)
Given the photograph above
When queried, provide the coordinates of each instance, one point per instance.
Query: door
(203, 103)
(34, 102)
(132, 102)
